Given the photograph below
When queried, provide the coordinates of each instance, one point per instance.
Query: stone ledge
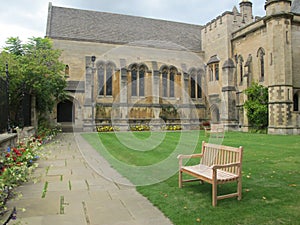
(7, 140)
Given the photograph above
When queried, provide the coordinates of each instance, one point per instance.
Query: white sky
(27, 18)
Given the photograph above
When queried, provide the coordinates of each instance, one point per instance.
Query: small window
(217, 71)
(213, 67)
(261, 63)
(296, 102)
(67, 71)
(241, 68)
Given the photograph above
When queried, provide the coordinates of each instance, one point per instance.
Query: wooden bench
(215, 131)
(219, 164)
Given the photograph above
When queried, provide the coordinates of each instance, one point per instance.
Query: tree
(257, 106)
(35, 69)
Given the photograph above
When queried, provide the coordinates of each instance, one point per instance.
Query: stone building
(125, 70)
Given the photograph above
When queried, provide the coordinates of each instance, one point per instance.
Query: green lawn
(271, 177)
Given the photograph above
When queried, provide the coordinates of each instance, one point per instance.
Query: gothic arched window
(199, 83)
(168, 82)
(105, 77)
(195, 84)
(241, 68)
(213, 67)
(165, 82)
(296, 102)
(261, 63)
(142, 71)
(109, 83)
(138, 80)
(101, 76)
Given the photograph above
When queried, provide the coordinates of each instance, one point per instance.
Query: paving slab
(70, 188)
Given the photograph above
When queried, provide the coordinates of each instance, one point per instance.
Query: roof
(295, 8)
(103, 27)
(75, 86)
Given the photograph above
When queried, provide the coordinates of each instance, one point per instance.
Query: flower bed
(140, 128)
(172, 127)
(17, 163)
(106, 129)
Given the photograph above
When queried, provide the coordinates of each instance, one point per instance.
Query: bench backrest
(214, 154)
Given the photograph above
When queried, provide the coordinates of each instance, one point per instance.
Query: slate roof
(295, 7)
(93, 26)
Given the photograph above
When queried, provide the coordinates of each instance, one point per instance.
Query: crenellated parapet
(235, 18)
(218, 22)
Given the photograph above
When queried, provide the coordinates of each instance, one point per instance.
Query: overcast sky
(27, 18)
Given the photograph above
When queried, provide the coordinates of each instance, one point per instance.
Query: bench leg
(214, 194)
(239, 188)
(180, 179)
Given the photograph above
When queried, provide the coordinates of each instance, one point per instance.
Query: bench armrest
(215, 167)
(180, 157)
(189, 156)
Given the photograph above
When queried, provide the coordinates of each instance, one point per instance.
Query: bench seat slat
(207, 172)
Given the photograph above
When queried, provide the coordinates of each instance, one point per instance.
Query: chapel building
(125, 70)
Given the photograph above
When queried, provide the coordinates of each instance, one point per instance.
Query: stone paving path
(69, 189)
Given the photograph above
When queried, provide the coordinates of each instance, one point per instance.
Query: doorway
(65, 111)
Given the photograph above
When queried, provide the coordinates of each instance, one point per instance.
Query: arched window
(213, 66)
(165, 82)
(261, 63)
(296, 102)
(138, 80)
(195, 84)
(168, 82)
(199, 83)
(217, 71)
(109, 83)
(134, 81)
(241, 68)
(105, 79)
(211, 72)
(172, 82)
(101, 75)
(67, 70)
(142, 71)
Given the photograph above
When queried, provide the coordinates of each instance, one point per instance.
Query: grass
(271, 179)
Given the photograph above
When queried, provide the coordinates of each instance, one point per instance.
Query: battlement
(219, 21)
(235, 18)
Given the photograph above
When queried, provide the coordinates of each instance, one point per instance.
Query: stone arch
(112, 64)
(215, 113)
(100, 63)
(143, 65)
(66, 111)
(163, 67)
(261, 63)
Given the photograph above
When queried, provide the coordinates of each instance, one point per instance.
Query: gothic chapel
(124, 70)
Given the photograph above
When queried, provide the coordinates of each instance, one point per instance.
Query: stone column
(186, 103)
(122, 121)
(87, 107)
(228, 101)
(278, 58)
(156, 121)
